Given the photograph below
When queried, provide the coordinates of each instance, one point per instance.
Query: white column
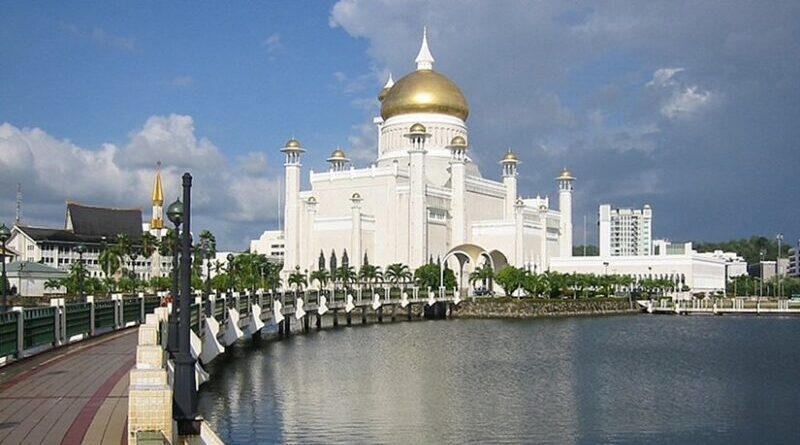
(308, 251)
(510, 183)
(291, 219)
(355, 236)
(543, 260)
(458, 234)
(565, 209)
(519, 257)
(605, 230)
(418, 212)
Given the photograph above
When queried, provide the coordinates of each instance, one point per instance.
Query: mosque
(423, 198)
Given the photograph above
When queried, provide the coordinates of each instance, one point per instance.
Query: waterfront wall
(530, 307)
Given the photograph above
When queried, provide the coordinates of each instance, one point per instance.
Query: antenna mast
(19, 204)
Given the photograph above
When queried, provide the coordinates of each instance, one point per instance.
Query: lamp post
(761, 281)
(175, 215)
(185, 386)
(204, 249)
(778, 237)
(5, 234)
(230, 259)
(80, 248)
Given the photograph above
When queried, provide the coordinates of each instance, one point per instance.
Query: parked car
(483, 292)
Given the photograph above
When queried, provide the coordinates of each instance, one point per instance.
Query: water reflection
(631, 379)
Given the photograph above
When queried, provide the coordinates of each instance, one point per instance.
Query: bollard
(394, 308)
(90, 300)
(20, 330)
(287, 328)
(318, 321)
(335, 318)
(363, 315)
(349, 318)
(409, 312)
(380, 314)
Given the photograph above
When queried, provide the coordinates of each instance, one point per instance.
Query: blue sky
(691, 107)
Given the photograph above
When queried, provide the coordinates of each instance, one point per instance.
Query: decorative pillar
(291, 218)
(519, 207)
(565, 187)
(458, 160)
(355, 235)
(418, 211)
(509, 163)
(311, 208)
(543, 260)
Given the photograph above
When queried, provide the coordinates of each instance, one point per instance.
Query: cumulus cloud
(235, 200)
(273, 45)
(619, 93)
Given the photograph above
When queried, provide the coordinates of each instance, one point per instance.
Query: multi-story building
(625, 232)
(794, 261)
(271, 243)
(93, 228)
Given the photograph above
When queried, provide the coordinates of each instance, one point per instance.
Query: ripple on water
(617, 379)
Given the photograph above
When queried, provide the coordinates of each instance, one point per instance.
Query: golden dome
(356, 197)
(510, 157)
(424, 91)
(312, 200)
(292, 143)
(337, 155)
(417, 129)
(565, 174)
(458, 141)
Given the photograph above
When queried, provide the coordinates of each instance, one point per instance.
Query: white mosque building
(423, 197)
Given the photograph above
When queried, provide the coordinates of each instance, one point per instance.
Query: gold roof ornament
(292, 145)
(311, 200)
(356, 197)
(158, 191)
(337, 155)
(424, 91)
(417, 129)
(510, 157)
(458, 142)
(565, 175)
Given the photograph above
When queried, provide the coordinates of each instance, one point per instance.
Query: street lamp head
(175, 212)
(230, 258)
(5, 234)
(80, 248)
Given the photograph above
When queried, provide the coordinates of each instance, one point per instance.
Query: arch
(471, 253)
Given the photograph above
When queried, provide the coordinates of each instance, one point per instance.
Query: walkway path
(72, 395)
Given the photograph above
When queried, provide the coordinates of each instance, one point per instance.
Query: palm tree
(109, 260)
(345, 275)
(124, 245)
(534, 283)
(369, 274)
(397, 273)
(321, 276)
(484, 274)
(297, 279)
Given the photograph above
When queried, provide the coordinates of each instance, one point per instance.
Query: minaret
(291, 213)
(417, 208)
(509, 163)
(157, 220)
(543, 260)
(565, 188)
(338, 160)
(458, 160)
(424, 58)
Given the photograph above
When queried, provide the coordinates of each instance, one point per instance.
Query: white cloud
(273, 44)
(662, 77)
(686, 102)
(233, 200)
(101, 37)
(363, 141)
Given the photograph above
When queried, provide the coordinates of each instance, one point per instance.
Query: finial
(389, 82)
(424, 59)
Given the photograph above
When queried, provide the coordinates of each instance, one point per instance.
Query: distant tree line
(749, 249)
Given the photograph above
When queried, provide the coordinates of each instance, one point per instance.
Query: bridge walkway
(77, 394)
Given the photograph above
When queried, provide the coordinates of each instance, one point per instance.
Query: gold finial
(158, 192)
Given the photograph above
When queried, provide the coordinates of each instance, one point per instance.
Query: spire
(158, 192)
(390, 82)
(424, 59)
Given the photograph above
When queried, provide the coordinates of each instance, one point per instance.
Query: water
(616, 379)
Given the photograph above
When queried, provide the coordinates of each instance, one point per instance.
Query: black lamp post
(230, 258)
(80, 248)
(175, 215)
(5, 234)
(185, 389)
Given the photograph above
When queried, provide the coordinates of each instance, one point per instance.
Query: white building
(271, 243)
(794, 261)
(423, 197)
(625, 232)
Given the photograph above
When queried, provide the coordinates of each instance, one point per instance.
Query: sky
(691, 107)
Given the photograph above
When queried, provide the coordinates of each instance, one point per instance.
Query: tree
(321, 261)
(149, 244)
(430, 274)
(345, 275)
(534, 284)
(109, 260)
(484, 274)
(333, 264)
(297, 280)
(369, 274)
(124, 245)
(510, 279)
(322, 277)
(397, 273)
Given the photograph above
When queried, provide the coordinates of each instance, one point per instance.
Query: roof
(103, 221)
(58, 235)
(30, 267)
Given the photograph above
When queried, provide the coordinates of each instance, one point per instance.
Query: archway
(472, 253)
